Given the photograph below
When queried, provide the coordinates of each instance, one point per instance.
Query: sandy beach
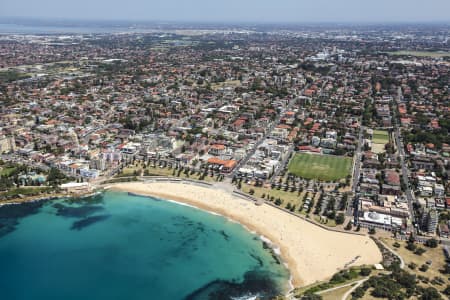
(311, 252)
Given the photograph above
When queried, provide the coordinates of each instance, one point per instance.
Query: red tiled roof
(218, 146)
(447, 200)
(308, 148)
(239, 122)
(226, 163)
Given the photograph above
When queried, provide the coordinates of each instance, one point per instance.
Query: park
(320, 167)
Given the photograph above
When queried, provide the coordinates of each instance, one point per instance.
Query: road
(353, 202)
(356, 171)
(401, 153)
(354, 284)
(350, 291)
(266, 135)
(338, 287)
(357, 159)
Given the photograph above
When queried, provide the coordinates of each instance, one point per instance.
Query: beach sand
(311, 252)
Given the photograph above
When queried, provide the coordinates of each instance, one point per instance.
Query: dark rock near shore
(78, 225)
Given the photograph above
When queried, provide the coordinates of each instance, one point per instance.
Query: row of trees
(11, 180)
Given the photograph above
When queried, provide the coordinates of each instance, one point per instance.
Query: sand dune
(311, 252)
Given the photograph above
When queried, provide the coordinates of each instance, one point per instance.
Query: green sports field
(321, 167)
(380, 137)
(433, 54)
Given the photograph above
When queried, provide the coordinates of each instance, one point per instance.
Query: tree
(424, 268)
(404, 278)
(358, 293)
(340, 218)
(431, 243)
(372, 230)
(348, 226)
(365, 271)
(411, 246)
(430, 293)
(55, 176)
(447, 290)
(332, 214)
(419, 251)
(446, 269)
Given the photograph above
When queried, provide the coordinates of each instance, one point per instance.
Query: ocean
(120, 246)
(13, 28)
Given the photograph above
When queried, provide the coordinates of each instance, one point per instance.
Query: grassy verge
(6, 171)
(293, 198)
(329, 222)
(336, 294)
(157, 171)
(341, 278)
(28, 191)
(119, 179)
(433, 255)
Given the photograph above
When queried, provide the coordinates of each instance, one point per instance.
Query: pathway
(402, 262)
(350, 291)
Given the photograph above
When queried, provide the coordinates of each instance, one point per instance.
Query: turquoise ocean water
(119, 246)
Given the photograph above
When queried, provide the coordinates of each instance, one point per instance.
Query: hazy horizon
(232, 11)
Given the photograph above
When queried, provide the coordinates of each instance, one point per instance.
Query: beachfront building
(225, 166)
(379, 220)
(76, 187)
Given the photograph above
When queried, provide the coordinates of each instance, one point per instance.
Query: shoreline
(46, 198)
(294, 280)
(311, 253)
(275, 248)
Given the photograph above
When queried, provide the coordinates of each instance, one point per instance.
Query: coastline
(263, 238)
(47, 197)
(311, 253)
(275, 248)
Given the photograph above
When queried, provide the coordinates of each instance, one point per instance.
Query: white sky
(234, 10)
